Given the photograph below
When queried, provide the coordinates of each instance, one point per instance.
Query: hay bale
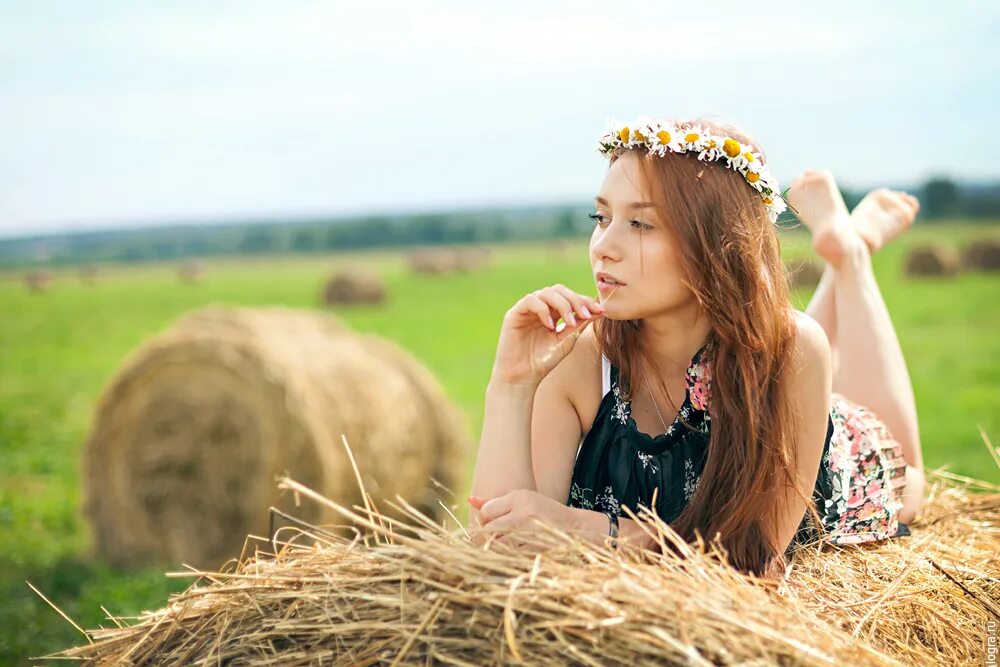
(88, 274)
(932, 261)
(804, 273)
(982, 255)
(37, 280)
(422, 594)
(473, 258)
(558, 250)
(353, 286)
(191, 433)
(192, 271)
(433, 262)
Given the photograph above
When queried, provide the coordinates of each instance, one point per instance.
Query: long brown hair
(731, 257)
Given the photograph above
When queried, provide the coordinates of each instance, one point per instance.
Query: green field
(59, 348)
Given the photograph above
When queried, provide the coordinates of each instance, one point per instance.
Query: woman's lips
(608, 287)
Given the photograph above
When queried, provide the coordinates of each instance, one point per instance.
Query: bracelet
(613, 530)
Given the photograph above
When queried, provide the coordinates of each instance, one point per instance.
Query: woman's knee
(913, 494)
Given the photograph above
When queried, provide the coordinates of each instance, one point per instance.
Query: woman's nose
(608, 242)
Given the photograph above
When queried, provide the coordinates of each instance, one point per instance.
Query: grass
(59, 348)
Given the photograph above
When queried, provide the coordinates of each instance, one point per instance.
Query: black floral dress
(858, 487)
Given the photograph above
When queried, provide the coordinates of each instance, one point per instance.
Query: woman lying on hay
(583, 422)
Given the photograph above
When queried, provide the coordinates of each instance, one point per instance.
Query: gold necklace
(653, 398)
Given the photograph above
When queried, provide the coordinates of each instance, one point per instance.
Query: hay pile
(982, 255)
(191, 271)
(432, 262)
(37, 280)
(932, 261)
(352, 287)
(444, 261)
(191, 434)
(88, 274)
(419, 594)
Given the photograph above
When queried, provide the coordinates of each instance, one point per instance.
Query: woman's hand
(530, 343)
(515, 510)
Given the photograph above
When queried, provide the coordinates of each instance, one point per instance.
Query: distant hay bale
(932, 261)
(191, 271)
(37, 280)
(418, 593)
(558, 250)
(353, 286)
(444, 261)
(804, 273)
(432, 262)
(982, 255)
(88, 274)
(471, 259)
(191, 433)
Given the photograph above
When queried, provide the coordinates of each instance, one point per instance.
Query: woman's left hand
(515, 510)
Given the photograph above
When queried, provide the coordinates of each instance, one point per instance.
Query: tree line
(941, 200)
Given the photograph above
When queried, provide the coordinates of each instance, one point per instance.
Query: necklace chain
(653, 398)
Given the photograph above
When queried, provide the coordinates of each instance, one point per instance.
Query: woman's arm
(594, 526)
(809, 380)
(504, 459)
(528, 350)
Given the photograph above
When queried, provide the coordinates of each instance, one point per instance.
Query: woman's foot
(816, 200)
(882, 215)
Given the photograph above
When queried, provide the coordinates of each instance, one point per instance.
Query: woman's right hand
(530, 343)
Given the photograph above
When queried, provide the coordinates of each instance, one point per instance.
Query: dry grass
(417, 592)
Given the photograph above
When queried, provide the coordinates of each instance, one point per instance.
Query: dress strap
(605, 375)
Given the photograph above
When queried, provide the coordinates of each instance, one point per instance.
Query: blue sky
(124, 114)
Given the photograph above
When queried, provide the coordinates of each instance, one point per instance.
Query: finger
(577, 301)
(504, 523)
(534, 304)
(495, 508)
(476, 501)
(560, 303)
(572, 333)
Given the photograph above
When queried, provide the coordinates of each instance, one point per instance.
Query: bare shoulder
(578, 378)
(811, 374)
(812, 348)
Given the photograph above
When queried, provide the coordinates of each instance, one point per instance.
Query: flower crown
(662, 136)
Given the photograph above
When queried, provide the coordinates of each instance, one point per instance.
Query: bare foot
(815, 198)
(882, 215)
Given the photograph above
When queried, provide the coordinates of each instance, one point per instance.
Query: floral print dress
(859, 484)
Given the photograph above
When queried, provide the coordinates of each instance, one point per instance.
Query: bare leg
(872, 371)
(822, 308)
(870, 368)
(881, 216)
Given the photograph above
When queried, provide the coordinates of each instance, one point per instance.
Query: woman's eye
(597, 217)
(641, 226)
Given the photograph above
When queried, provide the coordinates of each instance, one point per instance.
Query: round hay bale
(191, 271)
(192, 432)
(474, 258)
(433, 262)
(354, 286)
(932, 261)
(982, 255)
(804, 274)
(37, 280)
(88, 274)
(558, 250)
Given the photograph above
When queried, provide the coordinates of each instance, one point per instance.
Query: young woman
(700, 392)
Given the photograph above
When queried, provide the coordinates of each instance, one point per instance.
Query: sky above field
(117, 114)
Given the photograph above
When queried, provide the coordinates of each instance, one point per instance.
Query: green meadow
(59, 348)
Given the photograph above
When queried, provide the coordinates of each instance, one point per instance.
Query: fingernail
(571, 319)
(586, 312)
